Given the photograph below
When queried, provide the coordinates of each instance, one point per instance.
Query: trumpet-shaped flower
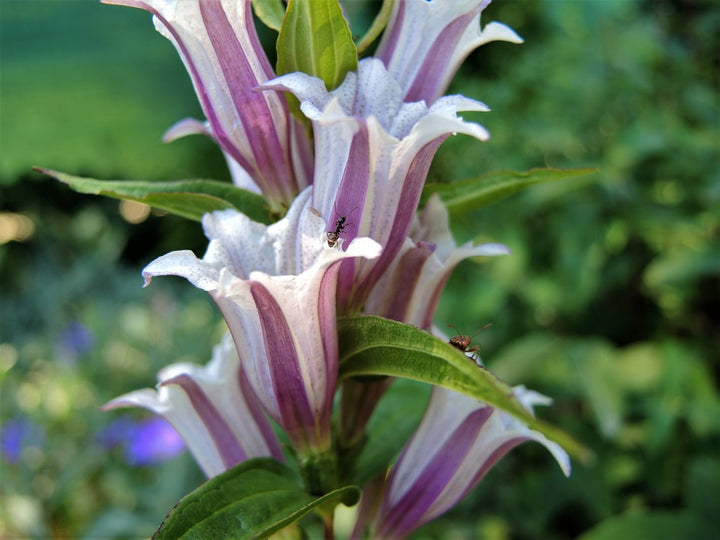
(372, 152)
(457, 442)
(426, 41)
(219, 46)
(408, 292)
(276, 289)
(410, 288)
(213, 409)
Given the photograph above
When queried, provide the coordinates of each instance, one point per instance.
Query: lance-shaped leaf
(372, 345)
(315, 38)
(377, 26)
(473, 193)
(253, 500)
(270, 12)
(186, 198)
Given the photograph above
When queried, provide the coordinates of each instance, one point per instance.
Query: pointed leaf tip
(190, 199)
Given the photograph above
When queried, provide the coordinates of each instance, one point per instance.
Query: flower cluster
(351, 242)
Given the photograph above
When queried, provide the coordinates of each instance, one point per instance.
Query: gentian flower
(213, 409)
(410, 288)
(409, 291)
(275, 286)
(426, 41)
(457, 442)
(219, 46)
(372, 155)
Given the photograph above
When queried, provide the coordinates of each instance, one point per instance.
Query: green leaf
(473, 193)
(395, 419)
(186, 198)
(252, 500)
(667, 525)
(371, 345)
(377, 26)
(270, 12)
(315, 39)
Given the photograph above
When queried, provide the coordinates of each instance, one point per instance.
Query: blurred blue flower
(154, 441)
(75, 339)
(145, 442)
(17, 434)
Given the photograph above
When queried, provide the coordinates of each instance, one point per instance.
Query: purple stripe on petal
(297, 416)
(404, 282)
(222, 436)
(328, 332)
(259, 416)
(432, 303)
(490, 461)
(252, 107)
(409, 512)
(411, 191)
(439, 54)
(352, 191)
(390, 41)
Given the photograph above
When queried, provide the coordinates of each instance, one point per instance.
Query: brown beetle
(462, 343)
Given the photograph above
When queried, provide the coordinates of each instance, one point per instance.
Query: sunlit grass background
(609, 302)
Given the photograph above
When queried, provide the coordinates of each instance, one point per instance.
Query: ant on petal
(334, 235)
(462, 343)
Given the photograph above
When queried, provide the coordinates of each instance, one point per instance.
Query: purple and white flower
(457, 442)
(372, 154)
(275, 286)
(219, 46)
(213, 409)
(409, 292)
(426, 41)
(410, 288)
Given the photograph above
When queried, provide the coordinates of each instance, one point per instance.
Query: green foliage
(252, 500)
(315, 39)
(471, 194)
(396, 417)
(608, 302)
(190, 199)
(270, 12)
(377, 26)
(371, 346)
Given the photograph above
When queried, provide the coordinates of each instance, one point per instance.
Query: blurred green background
(609, 302)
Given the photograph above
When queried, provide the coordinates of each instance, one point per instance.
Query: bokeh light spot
(15, 227)
(134, 212)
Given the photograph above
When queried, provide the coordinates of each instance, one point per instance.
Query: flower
(410, 288)
(16, 435)
(146, 442)
(219, 46)
(457, 442)
(275, 286)
(408, 291)
(373, 152)
(212, 408)
(426, 41)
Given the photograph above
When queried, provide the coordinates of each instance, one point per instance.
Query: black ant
(462, 343)
(334, 236)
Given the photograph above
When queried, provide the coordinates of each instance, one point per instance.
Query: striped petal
(426, 41)
(275, 286)
(213, 408)
(219, 46)
(457, 442)
(373, 152)
(410, 287)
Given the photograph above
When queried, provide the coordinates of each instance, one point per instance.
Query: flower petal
(212, 408)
